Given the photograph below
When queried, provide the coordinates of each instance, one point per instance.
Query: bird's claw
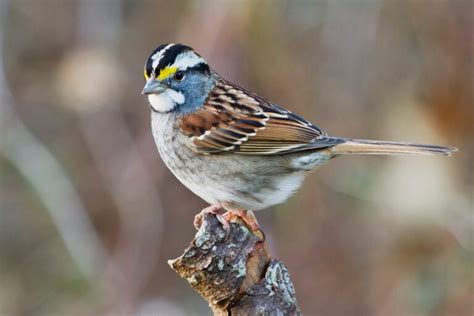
(226, 217)
(215, 209)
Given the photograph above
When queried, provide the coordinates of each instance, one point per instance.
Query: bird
(235, 149)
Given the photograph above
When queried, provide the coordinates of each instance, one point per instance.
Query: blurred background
(89, 215)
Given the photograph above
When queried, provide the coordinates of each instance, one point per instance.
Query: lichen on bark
(233, 271)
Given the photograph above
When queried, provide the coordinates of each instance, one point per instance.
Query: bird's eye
(179, 75)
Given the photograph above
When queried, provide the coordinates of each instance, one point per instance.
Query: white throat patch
(166, 101)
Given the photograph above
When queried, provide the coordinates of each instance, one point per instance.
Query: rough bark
(233, 270)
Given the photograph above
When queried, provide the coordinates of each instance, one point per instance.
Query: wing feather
(236, 120)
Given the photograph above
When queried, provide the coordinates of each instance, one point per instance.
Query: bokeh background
(89, 214)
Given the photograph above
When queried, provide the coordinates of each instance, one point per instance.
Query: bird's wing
(235, 120)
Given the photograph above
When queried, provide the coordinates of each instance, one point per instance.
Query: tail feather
(375, 147)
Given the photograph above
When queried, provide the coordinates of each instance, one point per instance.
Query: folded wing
(235, 120)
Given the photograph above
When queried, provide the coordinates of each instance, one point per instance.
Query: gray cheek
(195, 92)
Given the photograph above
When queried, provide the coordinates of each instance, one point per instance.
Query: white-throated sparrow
(233, 148)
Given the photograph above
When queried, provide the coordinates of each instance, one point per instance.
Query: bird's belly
(238, 181)
(237, 184)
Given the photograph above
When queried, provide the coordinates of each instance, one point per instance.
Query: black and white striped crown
(168, 58)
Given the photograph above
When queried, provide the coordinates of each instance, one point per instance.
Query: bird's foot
(226, 216)
(246, 216)
(215, 209)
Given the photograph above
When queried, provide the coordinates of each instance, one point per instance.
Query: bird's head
(177, 79)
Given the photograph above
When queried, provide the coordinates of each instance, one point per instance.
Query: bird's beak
(153, 86)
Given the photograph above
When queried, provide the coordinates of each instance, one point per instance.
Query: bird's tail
(375, 147)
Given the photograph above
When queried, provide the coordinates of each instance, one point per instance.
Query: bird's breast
(239, 181)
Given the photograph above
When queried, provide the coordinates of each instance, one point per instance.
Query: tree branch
(234, 272)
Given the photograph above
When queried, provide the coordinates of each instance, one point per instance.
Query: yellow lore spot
(166, 72)
(145, 74)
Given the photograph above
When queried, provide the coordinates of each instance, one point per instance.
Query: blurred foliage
(89, 214)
